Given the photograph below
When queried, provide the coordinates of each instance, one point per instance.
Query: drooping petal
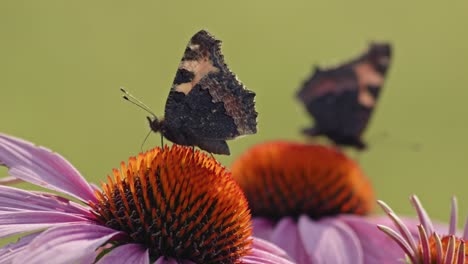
(267, 251)
(257, 256)
(330, 241)
(286, 236)
(129, 253)
(262, 227)
(373, 240)
(42, 167)
(13, 199)
(163, 260)
(12, 223)
(73, 243)
(10, 251)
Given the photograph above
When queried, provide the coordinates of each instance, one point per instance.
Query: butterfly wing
(342, 99)
(207, 102)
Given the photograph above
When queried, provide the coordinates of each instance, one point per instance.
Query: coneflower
(432, 246)
(313, 202)
(167, 205)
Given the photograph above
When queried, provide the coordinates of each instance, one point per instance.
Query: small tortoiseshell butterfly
(207, 104)
(341, 99)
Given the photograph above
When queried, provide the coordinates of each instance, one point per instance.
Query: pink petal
(286, 236)
(376, 245)
(42, 167)
(19, 222)
(424, 218)
(264, 252)
(74, 243)
(10, 251)
(13, 199)
(330, 241)
(260, 256)
(163, 260)
(453, 217)
(129, 253)
(262, 227)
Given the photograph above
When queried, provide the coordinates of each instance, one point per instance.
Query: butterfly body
(207, 104)
(342, 99)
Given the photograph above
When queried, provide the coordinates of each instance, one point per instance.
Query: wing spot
(200, 68)
(194, 46)
(367, 76)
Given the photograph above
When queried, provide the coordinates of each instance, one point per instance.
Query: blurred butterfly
(341, 99)
(207, 104)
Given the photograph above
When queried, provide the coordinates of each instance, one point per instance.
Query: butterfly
(207, 104)
(341, 99)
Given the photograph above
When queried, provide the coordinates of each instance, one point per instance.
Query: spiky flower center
(453, 248)
(288, 179)
(178, 204)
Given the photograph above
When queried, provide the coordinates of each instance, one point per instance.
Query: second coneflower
(165, 206)
(310, 200)
(432, 246)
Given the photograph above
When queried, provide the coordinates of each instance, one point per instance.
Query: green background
(62, 63)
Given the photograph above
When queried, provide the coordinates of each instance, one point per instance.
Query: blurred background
(62, 63)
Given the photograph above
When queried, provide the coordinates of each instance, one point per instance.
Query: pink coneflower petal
(263, 227)
(67, 244)
(12, 199)
(400, 241)
(263, 252)
(422, 215)
(23, 211)
(372, 243)
(330, 240)
(461, 253)
(453, 217)
(10, 251)
(263, 245)
(425, 247)
(450, 254)
(19, 222)
(164, 260)
(402, 228)
(130, 253)
(439, 249)
(286, 236)
(42, 167)
(465, 231)
(432, 248)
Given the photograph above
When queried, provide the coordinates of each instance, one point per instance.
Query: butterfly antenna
(132, 99)
(144, 140)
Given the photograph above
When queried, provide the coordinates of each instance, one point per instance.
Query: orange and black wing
(342, 99)
(207, 104)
